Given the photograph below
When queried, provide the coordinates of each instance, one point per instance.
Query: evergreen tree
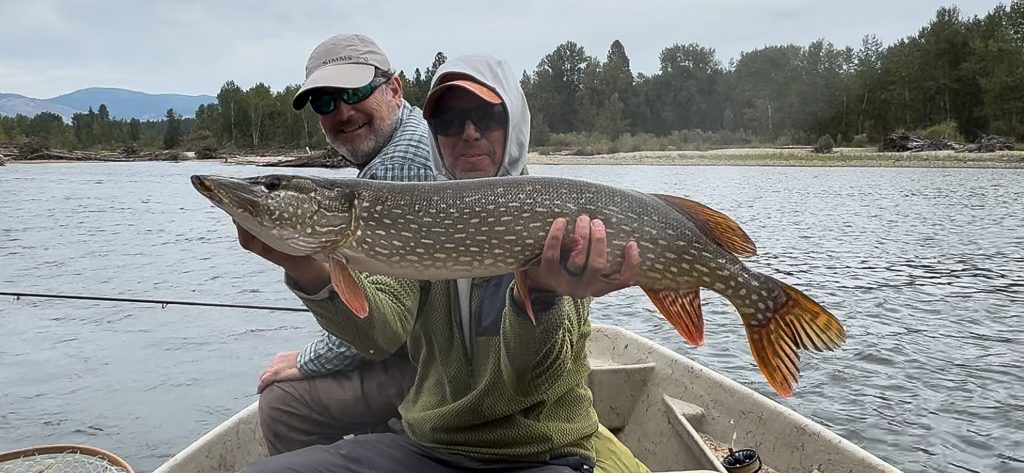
(557, 84)
(172, 135)
(229, 100)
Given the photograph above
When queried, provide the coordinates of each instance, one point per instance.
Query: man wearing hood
(493, 390)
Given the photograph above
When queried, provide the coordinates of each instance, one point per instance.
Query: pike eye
(272, 183)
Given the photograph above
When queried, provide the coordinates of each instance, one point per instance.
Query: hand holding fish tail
(585, 272)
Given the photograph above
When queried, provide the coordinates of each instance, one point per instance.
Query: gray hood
(499, 76)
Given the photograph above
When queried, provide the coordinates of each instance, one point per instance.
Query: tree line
(959, 77)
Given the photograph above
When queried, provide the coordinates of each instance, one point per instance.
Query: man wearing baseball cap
(350, 84)
(328, 390)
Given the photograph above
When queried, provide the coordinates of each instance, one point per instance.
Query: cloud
(193, 47)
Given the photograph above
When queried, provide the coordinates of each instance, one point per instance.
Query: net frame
(24, 457)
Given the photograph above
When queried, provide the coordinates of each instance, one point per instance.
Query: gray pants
(323, 410)
(389, 452)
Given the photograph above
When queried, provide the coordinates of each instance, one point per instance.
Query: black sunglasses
(324, 101)
(486, 118)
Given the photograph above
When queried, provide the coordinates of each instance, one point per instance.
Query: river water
(925, 267)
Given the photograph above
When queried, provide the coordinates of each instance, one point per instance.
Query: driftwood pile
(207, 152)
(823, 149)
(990, 144)
(325, 158)
(36, 151)
(902, 141)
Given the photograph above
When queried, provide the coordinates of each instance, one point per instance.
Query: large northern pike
(493, 226)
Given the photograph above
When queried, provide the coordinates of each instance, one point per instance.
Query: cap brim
(476, 88)
(346, 76)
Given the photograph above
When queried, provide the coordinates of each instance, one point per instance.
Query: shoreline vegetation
(953, 86)
(790, 156)
(948, 96)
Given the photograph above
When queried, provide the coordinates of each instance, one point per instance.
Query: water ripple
(923, 266)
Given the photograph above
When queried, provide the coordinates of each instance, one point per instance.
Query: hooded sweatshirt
(498, 76)
(489, 383)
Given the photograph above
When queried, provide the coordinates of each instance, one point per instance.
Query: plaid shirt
(405, 158)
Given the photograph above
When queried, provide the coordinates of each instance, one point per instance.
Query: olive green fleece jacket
(517, 392)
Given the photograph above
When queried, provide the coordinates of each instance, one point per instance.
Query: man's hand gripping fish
(493, 226)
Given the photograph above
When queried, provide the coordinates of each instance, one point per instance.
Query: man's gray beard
(364, 152)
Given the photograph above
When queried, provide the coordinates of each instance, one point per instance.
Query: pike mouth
(229, 194)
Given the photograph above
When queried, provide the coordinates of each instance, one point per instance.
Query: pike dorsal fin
(715, 225)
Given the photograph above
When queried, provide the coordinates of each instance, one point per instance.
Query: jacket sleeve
(393, 306)
(327, 354)
(535, 357)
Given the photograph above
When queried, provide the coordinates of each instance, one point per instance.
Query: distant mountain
(122, 103)
(13, 104)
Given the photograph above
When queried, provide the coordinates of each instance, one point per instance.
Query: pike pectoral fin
(522, 282)
(682, 310)
(715, 225)
(796, 323)
(348, 289)
(570, 246)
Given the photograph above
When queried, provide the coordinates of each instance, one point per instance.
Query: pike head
(298, 215)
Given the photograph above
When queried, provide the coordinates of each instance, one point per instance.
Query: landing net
(62, 459)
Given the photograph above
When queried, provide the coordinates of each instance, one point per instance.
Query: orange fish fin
(797, 323)
(682, 310)
(522, 281)
(715, 225)
(569, 246)
(348, 289)
(573, 244)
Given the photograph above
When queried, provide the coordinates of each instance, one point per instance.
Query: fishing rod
(163, 303)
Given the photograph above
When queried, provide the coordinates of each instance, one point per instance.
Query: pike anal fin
(797, 323)
(350, 292)
(682, 310)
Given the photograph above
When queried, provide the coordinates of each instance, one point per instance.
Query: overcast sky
(52, 47)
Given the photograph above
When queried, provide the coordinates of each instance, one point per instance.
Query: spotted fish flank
(487, 227)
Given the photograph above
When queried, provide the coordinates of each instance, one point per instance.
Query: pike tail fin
(777, 334)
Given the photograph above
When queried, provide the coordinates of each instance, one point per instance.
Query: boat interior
(673, 413)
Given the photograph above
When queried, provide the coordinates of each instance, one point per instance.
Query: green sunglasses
(324, 101)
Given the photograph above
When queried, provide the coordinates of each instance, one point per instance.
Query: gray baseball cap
(344, 61)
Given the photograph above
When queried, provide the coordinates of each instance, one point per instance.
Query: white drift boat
(674, 414)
